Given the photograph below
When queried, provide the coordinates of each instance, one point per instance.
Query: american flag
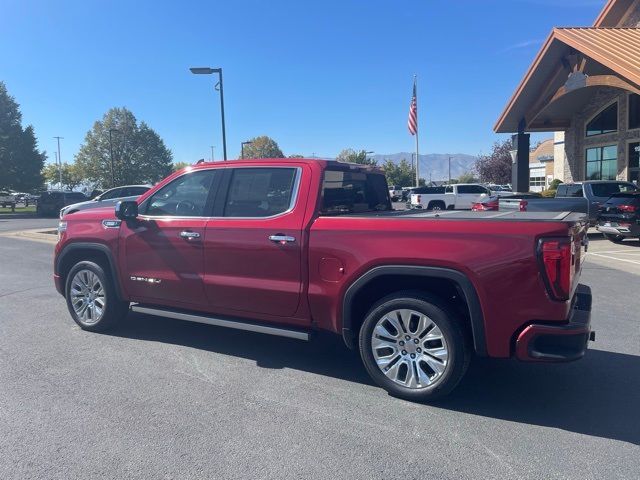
(413, 113)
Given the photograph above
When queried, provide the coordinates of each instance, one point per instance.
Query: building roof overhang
(570, 64)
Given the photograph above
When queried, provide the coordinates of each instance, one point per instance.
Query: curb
(38, 235)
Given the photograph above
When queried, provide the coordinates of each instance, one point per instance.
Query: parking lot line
(615, 258)
(626, 252)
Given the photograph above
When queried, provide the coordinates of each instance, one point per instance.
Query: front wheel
(92, 299)
(413, 346)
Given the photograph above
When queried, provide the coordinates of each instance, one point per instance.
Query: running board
(221, 322)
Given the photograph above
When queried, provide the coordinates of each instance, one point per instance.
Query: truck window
(354, 192)
(186, 196)
(448, 189)
(575, 191)
(260, 192)
(475, 189)
(608, 189)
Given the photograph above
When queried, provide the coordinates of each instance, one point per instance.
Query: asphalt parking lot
(161, 398)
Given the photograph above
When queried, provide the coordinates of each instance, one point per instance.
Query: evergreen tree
(20, 160)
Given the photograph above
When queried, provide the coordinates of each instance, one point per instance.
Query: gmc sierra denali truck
(291, 246)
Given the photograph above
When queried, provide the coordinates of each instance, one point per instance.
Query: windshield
(354, 192)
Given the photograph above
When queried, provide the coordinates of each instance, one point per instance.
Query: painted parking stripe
(614, 258)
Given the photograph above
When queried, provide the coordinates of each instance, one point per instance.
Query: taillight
(523, 205)
(419, 198)
(556, 258)
(627, 208)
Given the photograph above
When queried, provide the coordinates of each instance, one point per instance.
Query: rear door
(162, 249)
(253, 244)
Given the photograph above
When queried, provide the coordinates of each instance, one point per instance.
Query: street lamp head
(204, 70)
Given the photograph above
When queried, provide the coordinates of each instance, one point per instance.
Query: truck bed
(467, 215)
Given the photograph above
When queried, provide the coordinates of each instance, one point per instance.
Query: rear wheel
(413, 346)
(91, 298)
(614, 238)
(436, 206)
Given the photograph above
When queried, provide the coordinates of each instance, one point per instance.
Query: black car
(52, 201)
(619, 216)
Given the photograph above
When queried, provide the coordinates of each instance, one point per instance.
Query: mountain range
(434, 166)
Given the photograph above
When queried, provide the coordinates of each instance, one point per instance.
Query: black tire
(114, 309)
(436, 205)
(613, 238)
(451, 326)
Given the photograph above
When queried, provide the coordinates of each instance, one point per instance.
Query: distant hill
(436, 164)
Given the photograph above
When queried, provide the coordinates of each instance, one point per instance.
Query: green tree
(71, 175)
(180, 165)
(352, 156)
(295, 155)
(20, 159)
(401, 174)
(467, 177)
(262, 147)
(139, 154)
(496, 167)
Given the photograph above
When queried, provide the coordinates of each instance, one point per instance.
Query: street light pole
(209, 71)
(242, 148)
(60, 161)
(212, 147)
(367, 153)
(449, 170)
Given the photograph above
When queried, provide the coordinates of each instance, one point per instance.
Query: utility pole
(449, 170)
(60, 161)
(56, 155)
(212, 147)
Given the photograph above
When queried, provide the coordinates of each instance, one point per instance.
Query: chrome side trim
(219, 322)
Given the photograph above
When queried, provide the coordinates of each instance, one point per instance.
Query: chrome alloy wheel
(87, 297)
(409, 348)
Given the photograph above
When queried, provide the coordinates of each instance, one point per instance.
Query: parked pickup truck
(291, 247)
(584, 197)
(449, 197)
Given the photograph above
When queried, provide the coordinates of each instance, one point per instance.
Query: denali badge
(111, 223)
(145, 279)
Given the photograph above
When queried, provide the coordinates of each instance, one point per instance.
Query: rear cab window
(354, 191)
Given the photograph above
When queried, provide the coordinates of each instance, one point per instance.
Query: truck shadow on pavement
(597, 396)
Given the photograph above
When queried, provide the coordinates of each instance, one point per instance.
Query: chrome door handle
(189, 235)
(282, 239)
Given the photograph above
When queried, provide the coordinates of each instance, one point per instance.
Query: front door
(253, 246)
(163, 248)
(634, 162)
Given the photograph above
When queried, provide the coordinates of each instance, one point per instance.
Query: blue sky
(316, 76)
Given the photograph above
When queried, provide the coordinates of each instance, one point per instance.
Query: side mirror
(127, 209)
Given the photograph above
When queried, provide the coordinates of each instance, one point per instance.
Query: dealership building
(584, 86)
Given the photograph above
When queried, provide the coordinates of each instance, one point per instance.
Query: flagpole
(415, 86)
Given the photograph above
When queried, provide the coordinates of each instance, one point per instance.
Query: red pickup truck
(291, 246)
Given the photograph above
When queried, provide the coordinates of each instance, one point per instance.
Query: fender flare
(459, 278)
(99, 247)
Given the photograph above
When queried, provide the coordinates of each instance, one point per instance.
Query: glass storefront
(602, 163)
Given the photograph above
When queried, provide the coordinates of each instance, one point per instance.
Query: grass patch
(29, 209)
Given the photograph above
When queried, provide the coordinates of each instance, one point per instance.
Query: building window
(605, 122)
(634, 111)
(602, 163)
